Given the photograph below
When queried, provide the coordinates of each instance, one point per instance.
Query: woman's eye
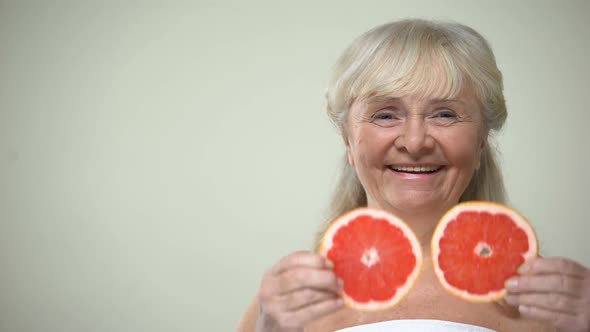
(384, 116)
(445, 115)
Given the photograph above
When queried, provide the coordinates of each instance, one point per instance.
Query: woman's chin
(419, 206)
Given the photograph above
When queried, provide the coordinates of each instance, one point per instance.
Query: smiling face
(415, 155)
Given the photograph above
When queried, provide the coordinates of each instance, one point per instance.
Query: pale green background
(157, 158)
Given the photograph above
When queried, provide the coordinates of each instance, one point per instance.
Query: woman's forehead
(427, 100)
(463, 96)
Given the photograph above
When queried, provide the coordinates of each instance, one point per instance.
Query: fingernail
(524, 269)
(511, 283)
(329, 264)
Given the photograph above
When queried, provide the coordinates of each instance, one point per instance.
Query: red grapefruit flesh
(477, 246)
(375, 254)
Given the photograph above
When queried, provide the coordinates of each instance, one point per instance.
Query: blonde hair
(424, 58)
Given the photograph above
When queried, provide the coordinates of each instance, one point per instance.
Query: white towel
(416, 325)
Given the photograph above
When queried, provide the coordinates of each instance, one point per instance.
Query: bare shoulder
(523, 325)
(248, 321)
(492, 316)
(508, 319)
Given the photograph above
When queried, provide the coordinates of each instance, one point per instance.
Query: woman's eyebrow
(382, 100)
(385, 100)
(444, 100)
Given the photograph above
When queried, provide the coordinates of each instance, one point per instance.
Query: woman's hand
(556, 290)
(297, 290)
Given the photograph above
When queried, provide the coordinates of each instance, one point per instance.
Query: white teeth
(415, 169)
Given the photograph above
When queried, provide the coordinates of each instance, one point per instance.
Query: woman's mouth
(418, 169)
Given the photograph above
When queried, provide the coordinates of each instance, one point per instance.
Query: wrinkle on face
(457, 144)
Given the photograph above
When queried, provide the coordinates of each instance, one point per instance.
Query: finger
(303, 277)
(555, 265)
(550, 301)
(558, 319)
(301, 258)
(312, 312)
(507, 309)
(550, 283)
(306, 297)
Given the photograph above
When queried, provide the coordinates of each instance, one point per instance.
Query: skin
(413, 131)
(301, 292)
(554, 290)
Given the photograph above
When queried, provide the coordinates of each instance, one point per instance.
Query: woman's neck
(422, 221)
(422, 225)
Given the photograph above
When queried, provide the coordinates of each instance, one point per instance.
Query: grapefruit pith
(477, 246)
(375, 254)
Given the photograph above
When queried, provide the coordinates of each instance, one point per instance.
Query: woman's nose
(414, 137)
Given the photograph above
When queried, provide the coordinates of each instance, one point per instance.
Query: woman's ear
(348, 148)
(484, 139)
(482, 147)
(350, 159)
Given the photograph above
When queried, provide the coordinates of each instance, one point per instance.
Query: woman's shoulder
(248, 321)
(446, 314)
(434, 325)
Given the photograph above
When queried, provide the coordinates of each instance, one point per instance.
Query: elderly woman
(428, 95)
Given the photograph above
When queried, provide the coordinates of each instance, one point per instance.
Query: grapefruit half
(375, 254)
(477, 246)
